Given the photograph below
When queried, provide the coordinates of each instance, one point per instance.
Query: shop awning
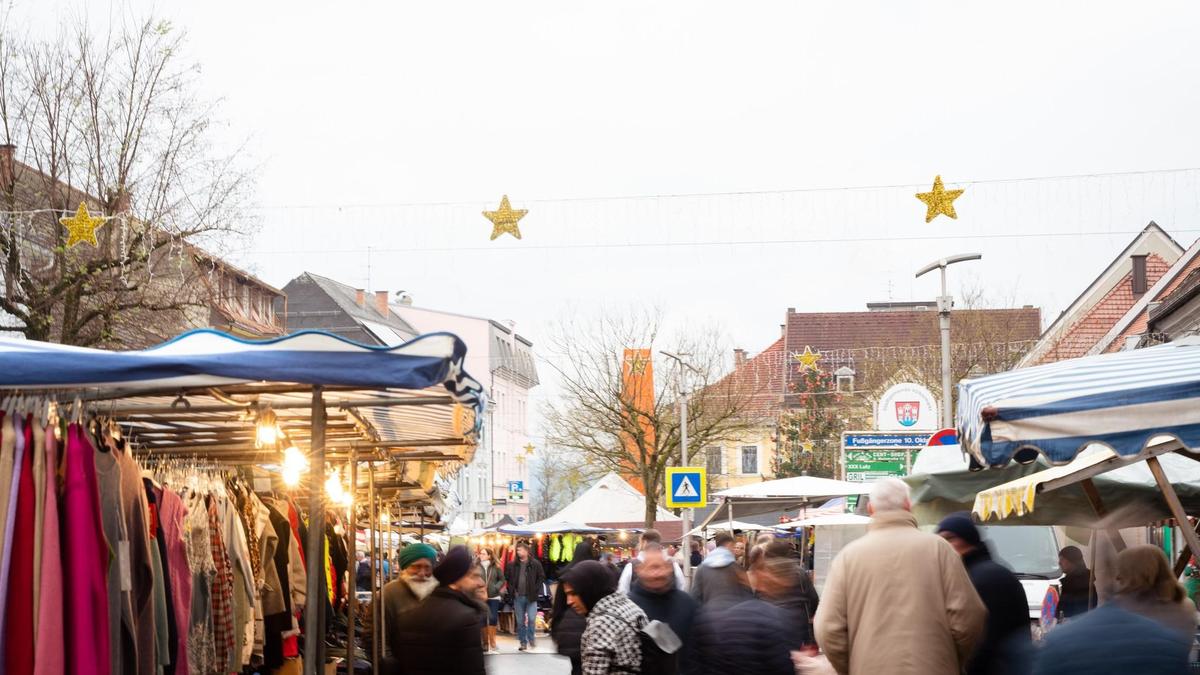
(839, 519)
(781, 494)
(552, 527)
(1121, 400)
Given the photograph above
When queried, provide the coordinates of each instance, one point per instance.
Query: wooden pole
(1182, 562)
(352, 597)
(376, 595)
(1093, 497)
(1168, 490)
(315, 550)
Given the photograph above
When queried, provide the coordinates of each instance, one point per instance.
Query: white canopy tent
(610, 500)
(775, 495)
(827, 521)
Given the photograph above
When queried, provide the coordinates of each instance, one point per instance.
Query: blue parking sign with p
(687, 487)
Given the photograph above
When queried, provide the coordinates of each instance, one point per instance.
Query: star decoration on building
(82, 226)
(939, 201)
(529, 449)
(808, 360)
(504, 219)
(637, 365)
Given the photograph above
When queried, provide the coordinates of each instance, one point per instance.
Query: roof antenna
(369, 268)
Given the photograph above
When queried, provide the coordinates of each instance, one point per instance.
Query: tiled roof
(859, 330)
(1141, 322)
(762, 378)
(1078, 339)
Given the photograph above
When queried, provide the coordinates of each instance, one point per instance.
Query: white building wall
(501, 457)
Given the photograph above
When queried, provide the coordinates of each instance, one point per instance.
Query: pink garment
(171, 512)
(18, 624)
(49, 658)
(85, 553)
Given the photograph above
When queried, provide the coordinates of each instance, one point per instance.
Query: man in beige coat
(899, 600)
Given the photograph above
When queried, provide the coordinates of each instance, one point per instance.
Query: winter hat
(961, 526)
(454, 566)
(414, 552)
(592, 582)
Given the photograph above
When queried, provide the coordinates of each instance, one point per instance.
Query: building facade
(496, 482)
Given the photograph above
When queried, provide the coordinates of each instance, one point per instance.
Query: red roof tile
(761, 379)
(1079, 338)
(1139, 325)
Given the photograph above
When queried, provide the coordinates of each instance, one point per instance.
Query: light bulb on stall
(266, 431)
(333, 487)
(294, 463)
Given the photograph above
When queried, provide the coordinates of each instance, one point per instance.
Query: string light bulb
(267, 432)
(294, 463)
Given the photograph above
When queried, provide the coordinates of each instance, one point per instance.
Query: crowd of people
(898, 600)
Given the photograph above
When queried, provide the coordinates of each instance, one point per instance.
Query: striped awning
(1121, 400)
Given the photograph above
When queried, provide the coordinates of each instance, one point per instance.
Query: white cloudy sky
(391, 125)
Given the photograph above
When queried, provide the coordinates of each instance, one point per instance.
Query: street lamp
(945, 303)
(686, 539)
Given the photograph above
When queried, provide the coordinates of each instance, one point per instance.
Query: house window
(713, 461)
(749, 459)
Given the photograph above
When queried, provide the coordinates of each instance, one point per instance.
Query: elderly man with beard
(441, 635)
(415, 584)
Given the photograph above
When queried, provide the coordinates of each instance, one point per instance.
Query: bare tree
(596, 417)
(112, 121)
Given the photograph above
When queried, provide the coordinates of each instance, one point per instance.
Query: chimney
(8, 177)
(739, 358)
(1140, 283)
(381, 303)
(783, 330)
(360, 297)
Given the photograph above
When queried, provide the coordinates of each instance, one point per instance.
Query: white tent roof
(798, 487)
(610, 500)
(828, 520)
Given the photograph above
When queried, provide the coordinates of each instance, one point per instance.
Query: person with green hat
(415, 584)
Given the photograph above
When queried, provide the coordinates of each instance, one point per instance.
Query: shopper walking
(719, 582)
(1006, 645)
(1146, 586)
(1075, 588)
(650, 537)
(416, 583)
(654, 590)
(777, 578)
(566, 625)
(493, 580)
(754, 636)
(525, 577)
(441, 635)
(611, 641)
(898, 600)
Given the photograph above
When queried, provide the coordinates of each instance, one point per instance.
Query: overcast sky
(391, 125)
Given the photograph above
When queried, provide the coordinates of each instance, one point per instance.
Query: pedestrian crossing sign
(687, 487)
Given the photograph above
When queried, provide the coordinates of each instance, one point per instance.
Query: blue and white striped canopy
(1121, 400)
(208, 358)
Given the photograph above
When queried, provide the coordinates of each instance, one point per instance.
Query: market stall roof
(784, 493)
(827, 521)
(610, 500)
(942, 481)
(1122, 400)
(737, 525)
(552, 526)
(201, 394)
(1125, 485)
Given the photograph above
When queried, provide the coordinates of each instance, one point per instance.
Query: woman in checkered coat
(611, 641)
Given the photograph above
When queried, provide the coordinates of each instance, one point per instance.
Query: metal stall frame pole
(1172, 499)
(315, 552)
(352, 596)
(376, 593)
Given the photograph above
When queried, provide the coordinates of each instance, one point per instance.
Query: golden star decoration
(504, 219)
(82, 226)
(939, 201)
(529, 449)
(808, 360)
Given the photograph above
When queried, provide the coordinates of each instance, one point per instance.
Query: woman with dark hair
(1146, 586)
(493, 579)
(611, 642)
(566, 626)
(1076, 585)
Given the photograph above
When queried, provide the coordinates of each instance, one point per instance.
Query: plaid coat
(611, 641)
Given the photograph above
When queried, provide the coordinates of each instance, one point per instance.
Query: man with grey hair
(898, 600)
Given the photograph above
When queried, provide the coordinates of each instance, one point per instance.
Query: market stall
(206, 414)
(775, 495)
(1141, 404)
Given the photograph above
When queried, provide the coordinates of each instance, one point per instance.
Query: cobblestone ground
(540, 661)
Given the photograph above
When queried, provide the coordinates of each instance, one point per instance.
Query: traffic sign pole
(686, 539)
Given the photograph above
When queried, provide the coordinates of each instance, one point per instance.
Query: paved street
(527, 664)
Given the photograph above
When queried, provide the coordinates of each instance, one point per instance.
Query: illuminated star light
(82, 226)
(808, 360)
(939, 201)
(504, 220)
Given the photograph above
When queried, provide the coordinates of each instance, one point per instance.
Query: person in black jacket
(1076, 587)
(525, 577)
(653, 589)
(749, 637)
(778, 578)
(441, 635)
(566, 625)
(1006, 643)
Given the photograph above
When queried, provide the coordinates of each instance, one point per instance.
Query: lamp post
(945, 303)
(686, 539)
